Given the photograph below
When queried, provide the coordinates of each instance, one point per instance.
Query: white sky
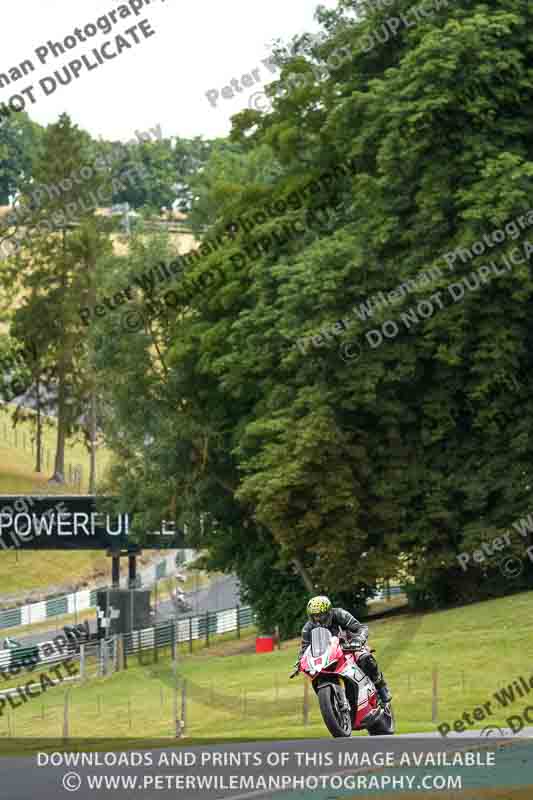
(198, 45)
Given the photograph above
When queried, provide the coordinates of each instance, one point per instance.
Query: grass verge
(477, 650)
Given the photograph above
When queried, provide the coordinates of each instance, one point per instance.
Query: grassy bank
(477, 650)
(22, 572)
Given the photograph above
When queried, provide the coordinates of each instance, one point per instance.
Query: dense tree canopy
(419, 448)
(347, 397)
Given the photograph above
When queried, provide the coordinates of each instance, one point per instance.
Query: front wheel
(338, 722)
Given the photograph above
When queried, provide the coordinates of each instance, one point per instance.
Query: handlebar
(294, 674)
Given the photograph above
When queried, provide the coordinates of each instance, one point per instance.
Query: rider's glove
(296, 669)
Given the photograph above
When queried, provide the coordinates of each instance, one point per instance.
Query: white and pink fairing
(325, 656)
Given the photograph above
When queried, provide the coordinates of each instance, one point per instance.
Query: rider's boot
(383, 690)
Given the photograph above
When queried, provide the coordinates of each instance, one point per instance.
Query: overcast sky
(197, 46)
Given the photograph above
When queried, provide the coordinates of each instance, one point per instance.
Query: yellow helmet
(319, 610)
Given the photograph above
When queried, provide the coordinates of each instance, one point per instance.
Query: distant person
(338, 621)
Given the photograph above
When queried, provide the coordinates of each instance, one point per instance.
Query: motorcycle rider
(338, 620)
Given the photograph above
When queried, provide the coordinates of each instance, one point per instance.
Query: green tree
(50, 269)
(19, 143)
(357, 468)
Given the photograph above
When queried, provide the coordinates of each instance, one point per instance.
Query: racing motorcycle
(347, 698)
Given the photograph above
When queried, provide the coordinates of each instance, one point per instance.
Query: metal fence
(112, 653)
(21, 439)
(77, 602)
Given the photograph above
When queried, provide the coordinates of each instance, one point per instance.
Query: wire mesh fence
(19, 438)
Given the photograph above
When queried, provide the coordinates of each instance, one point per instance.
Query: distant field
(25, 571)
(234, 693)
(20, 460)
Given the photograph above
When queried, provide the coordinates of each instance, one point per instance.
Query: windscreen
(320, 641)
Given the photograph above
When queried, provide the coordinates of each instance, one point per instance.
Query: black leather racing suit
(343, 622)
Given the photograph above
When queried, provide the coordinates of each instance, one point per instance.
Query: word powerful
(64, 524)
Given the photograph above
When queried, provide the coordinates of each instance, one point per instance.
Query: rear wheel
(338, 722)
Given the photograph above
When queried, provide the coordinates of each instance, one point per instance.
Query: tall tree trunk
(59, 467)
(92, 434)
(304, 575)
(91, 268)
(39, 436)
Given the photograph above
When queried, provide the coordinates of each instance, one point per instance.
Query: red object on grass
(264, 644)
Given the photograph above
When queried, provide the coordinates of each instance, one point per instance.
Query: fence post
(184, 708)
(177, 722)
(173, 641)
(82, 662)
(102, 660)
(65, 715)
(238, 622)
(278, 638)
(190, 635)
(306, 702)
(207, 628)
(116, 652)
(435, 700)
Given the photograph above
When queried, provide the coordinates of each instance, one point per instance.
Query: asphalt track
(22, 778)
(219, 594)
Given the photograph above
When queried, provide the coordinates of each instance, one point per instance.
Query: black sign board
(75, 522)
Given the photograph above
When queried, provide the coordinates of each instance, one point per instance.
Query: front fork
(341, 694)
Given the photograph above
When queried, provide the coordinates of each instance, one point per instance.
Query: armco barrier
(79, 601)
(179, 631)
(188, 629)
